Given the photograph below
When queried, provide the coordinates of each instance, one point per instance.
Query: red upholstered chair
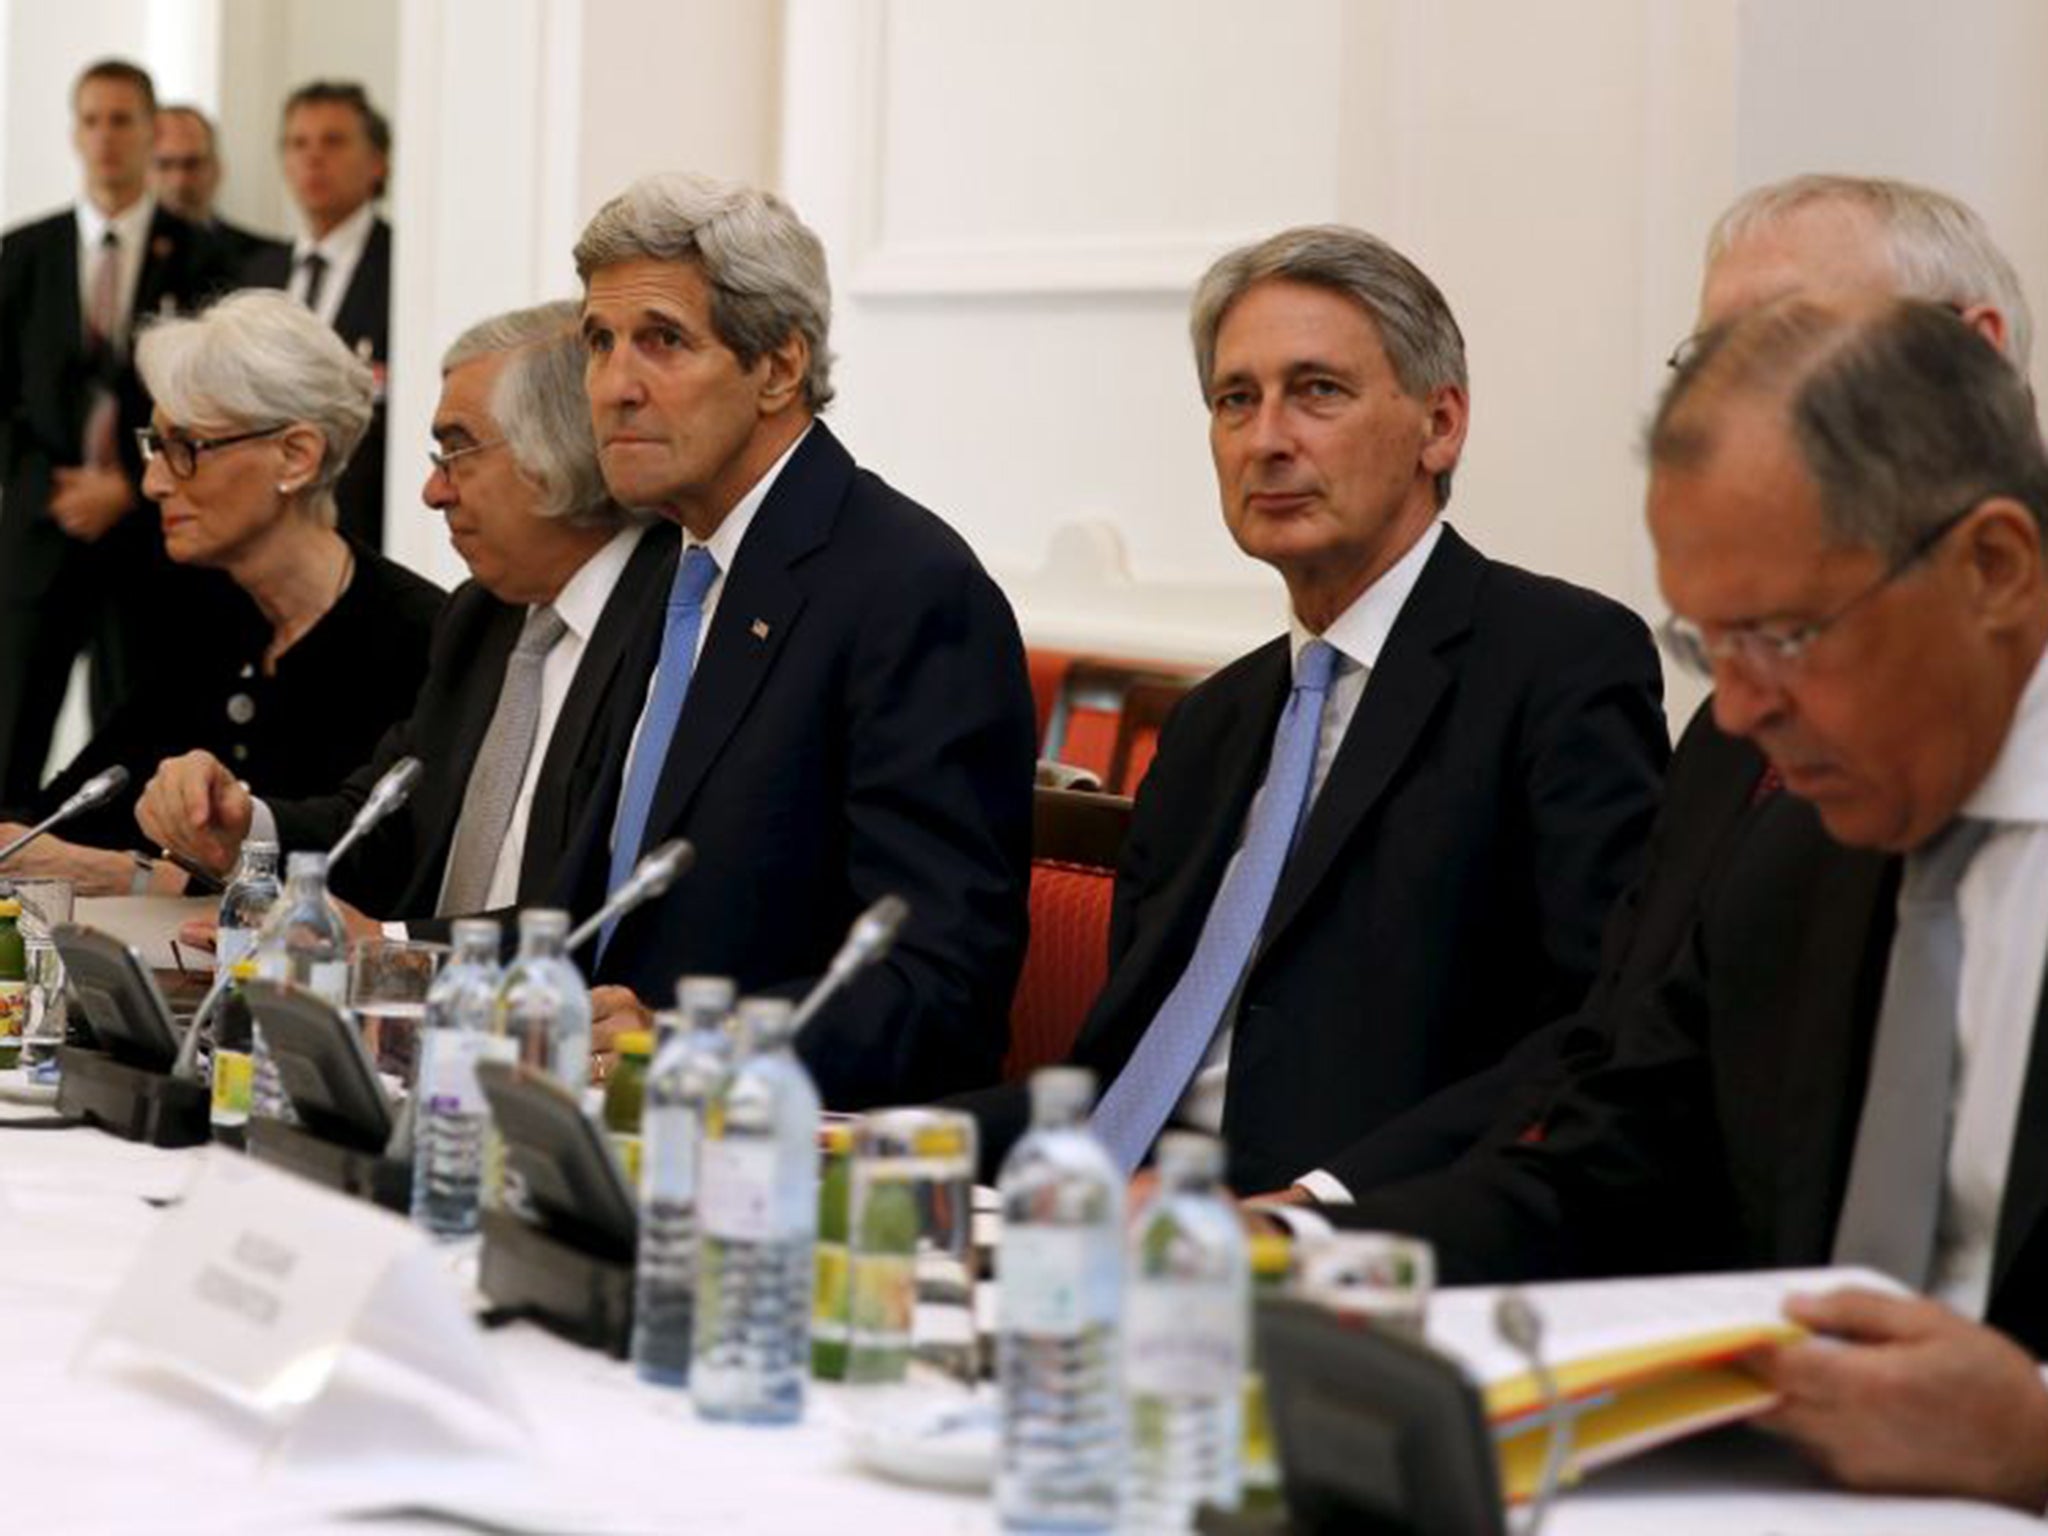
(1108, 716)
(1048, 679)
(1075, 840)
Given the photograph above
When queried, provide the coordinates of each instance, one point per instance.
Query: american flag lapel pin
(760, 629)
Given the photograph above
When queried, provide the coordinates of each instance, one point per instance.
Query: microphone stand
(655, 873)
(94, 791)
(870, 938)
(388, 794)
(1520, 1326)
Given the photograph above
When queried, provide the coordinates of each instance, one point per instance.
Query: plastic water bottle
(1059, 1271)
(757, 1217)
(252, 891)
(687, 1070)
(543, 1007)
(449, 1113)
(304, 942)
(1185, 1334)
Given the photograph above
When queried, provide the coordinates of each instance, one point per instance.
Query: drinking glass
(387, 991)
(910, 1232)
(45, 903)
(1379, 1278)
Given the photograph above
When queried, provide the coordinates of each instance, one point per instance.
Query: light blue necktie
(1152, 1081)
(671, 684)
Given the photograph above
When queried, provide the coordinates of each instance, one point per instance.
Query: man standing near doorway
(337, 156)
(82, 566)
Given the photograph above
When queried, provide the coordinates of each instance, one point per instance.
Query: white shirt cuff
(1326, 1188)
(1301, 1221)
(395, 931)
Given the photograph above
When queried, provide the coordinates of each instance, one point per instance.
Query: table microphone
(655, 873)
(1520, 1327)
(386, 796)
(870, 937)
(97, 790)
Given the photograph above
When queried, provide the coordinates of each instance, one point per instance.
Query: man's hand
(194, 806)
(613, 1011)
(1901, 1395)
(85, 503)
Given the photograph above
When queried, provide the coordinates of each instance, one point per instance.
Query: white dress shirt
(131, 229)
(724, 545)
(580, 604)
(2004, 919)
(1358, 635)
(342, 246)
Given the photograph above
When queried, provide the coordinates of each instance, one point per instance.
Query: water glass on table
(45, 904)
(910, 1234)
(1382, 1279)
(388, 981)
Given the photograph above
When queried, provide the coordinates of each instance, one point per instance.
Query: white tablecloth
(105, 1448)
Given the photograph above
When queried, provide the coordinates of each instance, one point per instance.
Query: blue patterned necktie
(671, 684)
(1152, 1081)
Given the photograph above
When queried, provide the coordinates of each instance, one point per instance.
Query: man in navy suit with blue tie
(1374, 853)
(836, 708)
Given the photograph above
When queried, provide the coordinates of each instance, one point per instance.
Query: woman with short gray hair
(323, 642)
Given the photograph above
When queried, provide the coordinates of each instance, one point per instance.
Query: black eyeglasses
(181, 454)
(1773, 656)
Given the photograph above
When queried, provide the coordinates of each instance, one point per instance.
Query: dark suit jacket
(1710, 793)
(859, 723)
(1446, 895)
(396, 870)
(121, 593)
(239, 247)
(1719, 1132)
(364, 322)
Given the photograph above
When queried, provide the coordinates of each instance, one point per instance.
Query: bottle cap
(1272, 1256)
(635, 1042)
(700, 995)
(835, 1137)
(9, 907)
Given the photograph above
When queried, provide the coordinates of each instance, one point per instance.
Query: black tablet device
(1376, 1434)
(571, 1176)
(118, 996)
(322, 1065)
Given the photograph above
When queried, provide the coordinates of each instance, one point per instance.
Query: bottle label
(830, 1292)
(234, 1086)
(668, 1151)
(13, 1009)
(1184, 1339)
(884, 1298)
(231, 945)
(1054, 1281)
(626, 1147)
(448, 1059)
(736, 1199)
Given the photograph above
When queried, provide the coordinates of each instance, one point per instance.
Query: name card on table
(257, 1281)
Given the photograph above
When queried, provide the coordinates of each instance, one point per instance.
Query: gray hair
(1423, 343)
(763, 265)
(1940, 250)
(260, 359)
(1903, 415)
(539, 404)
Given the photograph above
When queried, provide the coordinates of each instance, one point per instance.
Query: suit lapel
(1826, 1029)
(1401, 697)
(473, 719)
(757, 607)
(597, 693)
(361, 314)
(2026, 1177)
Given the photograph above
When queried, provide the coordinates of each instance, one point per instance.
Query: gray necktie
(500, 767)
(1893, 1206)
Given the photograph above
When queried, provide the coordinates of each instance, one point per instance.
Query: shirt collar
(725, 543)
(129, 225)
(1359, 633)
(2016, 788)
(342, 244)
(581, 601)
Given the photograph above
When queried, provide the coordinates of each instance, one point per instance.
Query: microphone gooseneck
(655, 873)
(97, 790)
(386, 796)
(870, 938)
(1520, 1327)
